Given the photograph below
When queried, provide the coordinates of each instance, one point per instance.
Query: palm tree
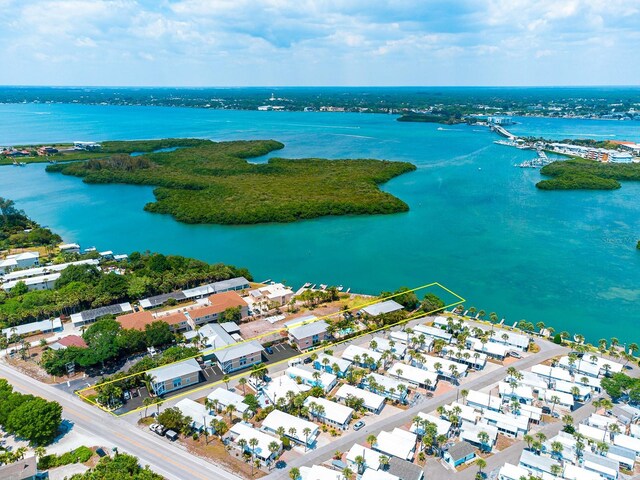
(481, 463)
(556, 449)
(280, 431)
(483, 438)
(554, 400)
(371, 440)
(384, 462)
(306, 431)
(292, 432)
(274, 448)
(556, 470)
(359, 461)
(253, 443)
(40, 451)
(226, 380)
(294, 473)
(229, 409)
(243, 383)
(347, 473)
(528, 440)
(147, 402)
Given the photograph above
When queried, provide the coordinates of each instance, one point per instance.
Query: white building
(19, 260)
(276, 292)
(245, 431)
(324, 380)
(483, 401)
(366, 358)
(279, 387)
(398, 349)
(443, 426)
(433, 332)
(389, 387)
(294, 427)
(333, 414)
(43, 282)
(200, 416)
(371, 458)
(473, 359)
(329, 362)
(414, 376)
(372, 401)
(26, 329)
(470, 432)
(443, 367)
(226, 398)
(388, 306)
(397, 443)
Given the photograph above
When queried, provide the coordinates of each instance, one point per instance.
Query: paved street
(547, 350)
(159, 453)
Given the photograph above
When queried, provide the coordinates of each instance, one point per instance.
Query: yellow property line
(307, 352)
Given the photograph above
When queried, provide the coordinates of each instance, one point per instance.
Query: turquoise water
(477, 224)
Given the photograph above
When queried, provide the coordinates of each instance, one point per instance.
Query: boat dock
(538, 162)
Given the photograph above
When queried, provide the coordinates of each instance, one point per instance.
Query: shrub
(79, 455)
(557, 339)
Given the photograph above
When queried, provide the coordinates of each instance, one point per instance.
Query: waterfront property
(175, 376)
(232, 284)
(218, 303)
(388, 306)
(19, 260)
(275, 293)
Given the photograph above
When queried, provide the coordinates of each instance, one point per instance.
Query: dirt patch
(442, 388)
(504, 442)
(217, 451)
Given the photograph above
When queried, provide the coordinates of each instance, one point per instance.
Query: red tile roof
(136, 320)
(72, 341)
(173, 318)
(219, 303)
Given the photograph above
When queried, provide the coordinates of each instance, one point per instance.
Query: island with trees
(582, 174)
(212, 182)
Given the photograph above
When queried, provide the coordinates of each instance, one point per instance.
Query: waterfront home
(26, 329)
(274, 293)
(515, 340)
(69, 341)
(43, 282)
(232, 284)
(371, 401)
(371, 458)
(69, 248)
(443, 426)
(433, 332)
(245, 431)
(308, 376)
(174, 376)
(483, 401)
(475, 360)
(294, 427)
(385, 386)
(224, 398)
(414, 376)
(382, 345)
(218, 304)
(89, 316)
(397, 443)
(551, 373)
(278, 388)
(459, 454)
(19, 260)
(590, 365)
(470, 432)
(330, 364)
(199, 414)
(363, 357)
(309, 335)
(497, 351)
(388, 306)
(332, 413)
(512, 472)
(238, 357)
(522, 393)
(47, 269)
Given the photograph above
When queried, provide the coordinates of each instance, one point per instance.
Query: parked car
(269, 350)
(358, 425)
(546, 410)
(172, 435)
(515, 354)
(308, 360)
(126, 395)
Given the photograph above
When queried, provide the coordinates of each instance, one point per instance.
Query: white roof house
(593, 433)
(572, 472)
(634, 430)
(534, 413)
(470, 431)
(48, 269)
(413, 375)
(564, 399)
(592, 365)
(174, 370)
(626, 441)
(515, 340)
(429, 363)
(605, 467)
(229, 357)
(566, 387)
(245, 431)
(335, 413)
(371, 458)
(511, 424)
(386, 384)
(532, 380)
(520, 391)
(277, 419)
(443, 426)
(399, 349)
(200, 416)
(512, 472)
(378, 475)
(326, 381)
(342, 363)
(467, 413)
(483, 401)
(33, 327)
(372, 401)
(381, 308)
(353, 351)
(555, 373)
(474, 359)
(318, 472)
(43, 282)
(226, 397)
(397, 443)
(496, 350)
(433, 332)
(279, 386)
(601, 421)
(424, 344)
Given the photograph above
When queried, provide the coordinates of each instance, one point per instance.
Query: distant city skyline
(320, 43)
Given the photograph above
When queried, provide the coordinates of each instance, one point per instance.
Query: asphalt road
(344, 443)
(159, 453)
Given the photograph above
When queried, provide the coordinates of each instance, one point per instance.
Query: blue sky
(320, 42)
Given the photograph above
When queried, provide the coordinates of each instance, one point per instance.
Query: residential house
(483, 401)
(245, 431)
(592, 433)
(391, 388)
(68, 341)
(26, 329)
(372, 401)
(537, 465)
(274, 293)
(507, 424)
(630, 443)
(363, 357)
(603, 466)
(475, 360)
(278, 388)
(397, 349)
(178, 321)
(414, 376)
(405, 470)
(388, 306)
(174, 376)
(306, 375)
(309, 335)
(318, 472)
(624, 456)
(201, 419)
(69, 248)
(19, 260)
(294, 427)
(43, 282)
(470, 432)
(230, 285)
(371, 458)
(332, 413)
(512, 472)
(218, 303)
(397, 443)
(240, 356)
(89, 316)
(25, 469)
(330, 364)
(459, 454)
(433, 332)
(226, 397)
(420, 342)
(522, 393)
(378, 475)
(446, 369)
(443, 426)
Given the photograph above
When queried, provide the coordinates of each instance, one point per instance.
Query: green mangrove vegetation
(18, 231)
(446, 118)
(581, 174)
(209, 182)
